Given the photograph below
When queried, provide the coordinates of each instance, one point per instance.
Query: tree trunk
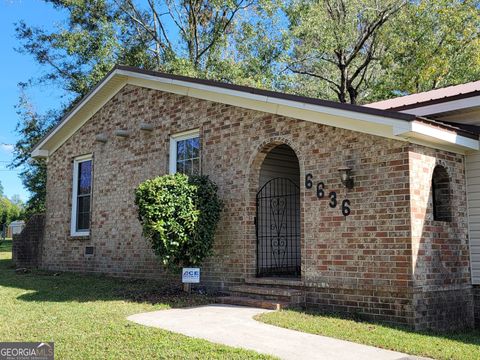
(352, 94)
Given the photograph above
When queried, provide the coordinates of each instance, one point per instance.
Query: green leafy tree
(260, 43)
(184, 37)
(179, 215)
(32, 127)
(336, 43)
(430, 44)
(201, 28)
(75, 56)
(16, 200)
(1, 189)
(9, 212)
(366, 50)
(85, 47)
(5, 213)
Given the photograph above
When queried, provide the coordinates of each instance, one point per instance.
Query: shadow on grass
(471, 336)
(64, 287)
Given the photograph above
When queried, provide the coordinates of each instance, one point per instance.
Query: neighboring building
(16, 227)
(327, 203)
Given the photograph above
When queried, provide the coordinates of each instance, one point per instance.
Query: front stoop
(251, 302)
(270, 294)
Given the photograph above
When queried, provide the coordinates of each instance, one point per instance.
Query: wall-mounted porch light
(346, 176)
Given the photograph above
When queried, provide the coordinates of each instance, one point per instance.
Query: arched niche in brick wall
(441, 194)
(274, 158)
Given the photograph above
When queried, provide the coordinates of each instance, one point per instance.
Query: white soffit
(422, 131)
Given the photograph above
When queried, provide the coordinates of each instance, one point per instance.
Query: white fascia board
(38, 153)
(436, 135)
(192, 89)
(445, 107)
(340, 118)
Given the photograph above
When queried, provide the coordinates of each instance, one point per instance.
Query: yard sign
(191, 275)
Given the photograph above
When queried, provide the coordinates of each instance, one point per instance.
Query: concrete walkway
(235, 326)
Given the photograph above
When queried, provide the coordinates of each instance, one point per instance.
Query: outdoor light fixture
(346, 176)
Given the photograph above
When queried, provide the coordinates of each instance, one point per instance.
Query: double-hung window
(185, 153)
(81, 195)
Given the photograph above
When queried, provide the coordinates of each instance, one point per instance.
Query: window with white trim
(81, 195)
(185, 153)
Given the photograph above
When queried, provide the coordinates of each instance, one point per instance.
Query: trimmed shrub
(179, 215)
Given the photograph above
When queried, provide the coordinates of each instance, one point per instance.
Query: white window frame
(73, 222)
(174, 139)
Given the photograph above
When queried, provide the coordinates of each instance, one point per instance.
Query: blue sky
(16, 68)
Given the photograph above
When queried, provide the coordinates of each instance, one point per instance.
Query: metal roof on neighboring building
(428, 97)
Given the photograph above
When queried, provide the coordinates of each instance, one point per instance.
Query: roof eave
(38, 153)
(422, 131)
(320, 111)
(42, 147)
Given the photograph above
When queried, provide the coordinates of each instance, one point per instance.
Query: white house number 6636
(332, 195)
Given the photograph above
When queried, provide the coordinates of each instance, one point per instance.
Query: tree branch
(304, 72)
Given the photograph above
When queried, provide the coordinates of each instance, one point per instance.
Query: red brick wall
(361, 263)
(440, 254)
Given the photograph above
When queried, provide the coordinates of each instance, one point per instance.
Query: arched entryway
(278, 214)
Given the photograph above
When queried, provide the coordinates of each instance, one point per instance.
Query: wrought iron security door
(278, 228)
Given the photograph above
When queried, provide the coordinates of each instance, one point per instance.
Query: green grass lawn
(465, 345)
(85, 316)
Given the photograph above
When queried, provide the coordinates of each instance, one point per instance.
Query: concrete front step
(251, 302)
(266, 291)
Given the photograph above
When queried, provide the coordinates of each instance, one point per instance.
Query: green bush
(179, 215)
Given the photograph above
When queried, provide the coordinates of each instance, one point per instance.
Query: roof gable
(353, 117)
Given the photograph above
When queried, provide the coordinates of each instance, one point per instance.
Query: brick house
(326, 204)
